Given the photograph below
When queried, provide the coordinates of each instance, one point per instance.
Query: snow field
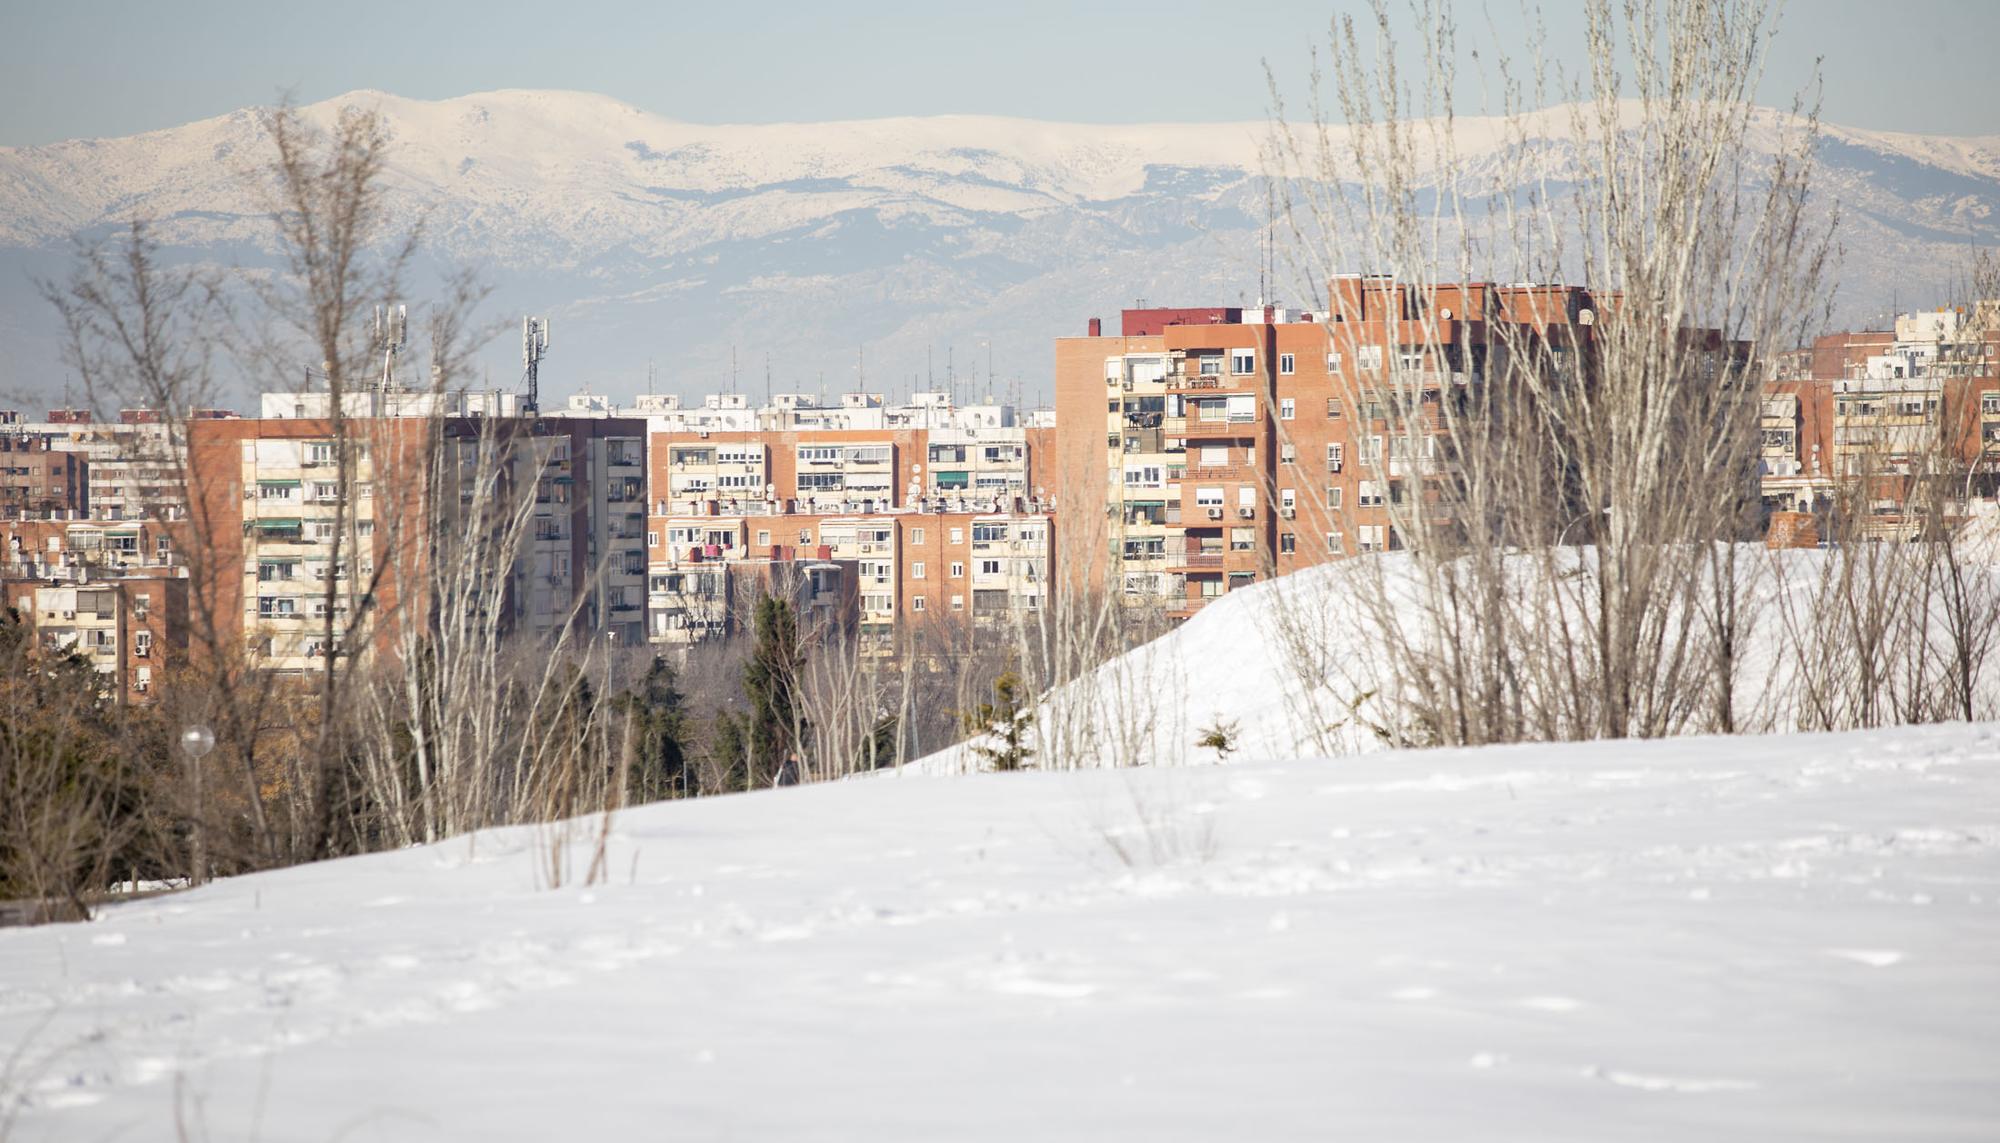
(1754, 938)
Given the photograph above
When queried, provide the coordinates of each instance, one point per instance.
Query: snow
(1751, 938)
(1292, 661)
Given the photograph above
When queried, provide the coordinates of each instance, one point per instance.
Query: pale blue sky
(90, 68)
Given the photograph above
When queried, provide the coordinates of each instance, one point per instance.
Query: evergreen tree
(1006, 720)
(770, 681)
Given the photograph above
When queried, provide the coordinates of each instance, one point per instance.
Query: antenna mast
(534, 347)
(392, 332)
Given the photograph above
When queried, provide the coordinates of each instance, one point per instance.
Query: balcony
(1233, 428)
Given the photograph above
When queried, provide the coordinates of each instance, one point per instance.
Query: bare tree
(1498, 423)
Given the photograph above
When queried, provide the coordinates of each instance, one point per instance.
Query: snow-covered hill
(1754, 938)
(651, 238)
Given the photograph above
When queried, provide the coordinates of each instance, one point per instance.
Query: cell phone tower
(392, 333)
(534, 347)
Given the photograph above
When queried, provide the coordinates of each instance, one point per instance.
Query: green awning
(261, 482)
(952, 479)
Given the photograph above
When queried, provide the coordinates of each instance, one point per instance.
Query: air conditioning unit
(1288, 513)
(1246, 513)
(1215, 513)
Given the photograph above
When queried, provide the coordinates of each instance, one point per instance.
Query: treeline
(96, 792)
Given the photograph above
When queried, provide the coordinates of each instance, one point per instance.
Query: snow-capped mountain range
(949, 239)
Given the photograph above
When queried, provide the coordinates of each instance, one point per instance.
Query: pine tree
(1005, 720)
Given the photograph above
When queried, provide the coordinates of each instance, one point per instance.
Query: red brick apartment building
(109, 591)
(36, 480)
(943, 527)
(268, 498)
(1848, 422)
(1225, 446)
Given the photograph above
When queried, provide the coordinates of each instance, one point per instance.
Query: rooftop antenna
(732, 369)
(652, 378)
(392, 332)
(767, 377)
(534, 347)
(1265, 268)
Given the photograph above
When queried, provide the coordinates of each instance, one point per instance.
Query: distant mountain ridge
(649, 238)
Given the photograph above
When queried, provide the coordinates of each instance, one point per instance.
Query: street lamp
(196, 742)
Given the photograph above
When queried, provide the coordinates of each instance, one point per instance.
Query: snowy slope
(1238, 660)
(650, 237)
(1756, 939)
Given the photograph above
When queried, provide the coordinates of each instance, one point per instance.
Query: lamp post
(196, 742)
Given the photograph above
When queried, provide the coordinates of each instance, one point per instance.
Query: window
(1242, 539)
(1333, 408)
(142, 679)
(1333, 496)
(1208, 497)
(1369, 357)
(1285, 363)
(917, 570)
(1287, 543)
(653, 539)
(1242, 361)
(989, 567)
(1336, 455)
(958, 535)
(1288, 499)
(141, 603)
(916, 535)
(917, 603)
(958, 603)
(1287, 453)
(142, 644)
(1210, 366)
(957, 570)
(1368, 497)
(1989, 404)
(1287, 408)
(319, 452)
(763, 538)
(1333, 544)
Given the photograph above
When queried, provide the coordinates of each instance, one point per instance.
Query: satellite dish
(1445, 314)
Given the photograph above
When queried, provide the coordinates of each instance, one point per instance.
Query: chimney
(1097, 327)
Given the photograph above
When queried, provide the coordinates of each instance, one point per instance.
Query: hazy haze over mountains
(650, 239)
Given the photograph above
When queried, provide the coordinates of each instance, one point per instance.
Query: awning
(952, 479)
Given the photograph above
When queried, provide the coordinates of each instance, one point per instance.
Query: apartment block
(1869, 412)
(38, 480)
(933, 567)
(129, 624)
(1227, 445)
